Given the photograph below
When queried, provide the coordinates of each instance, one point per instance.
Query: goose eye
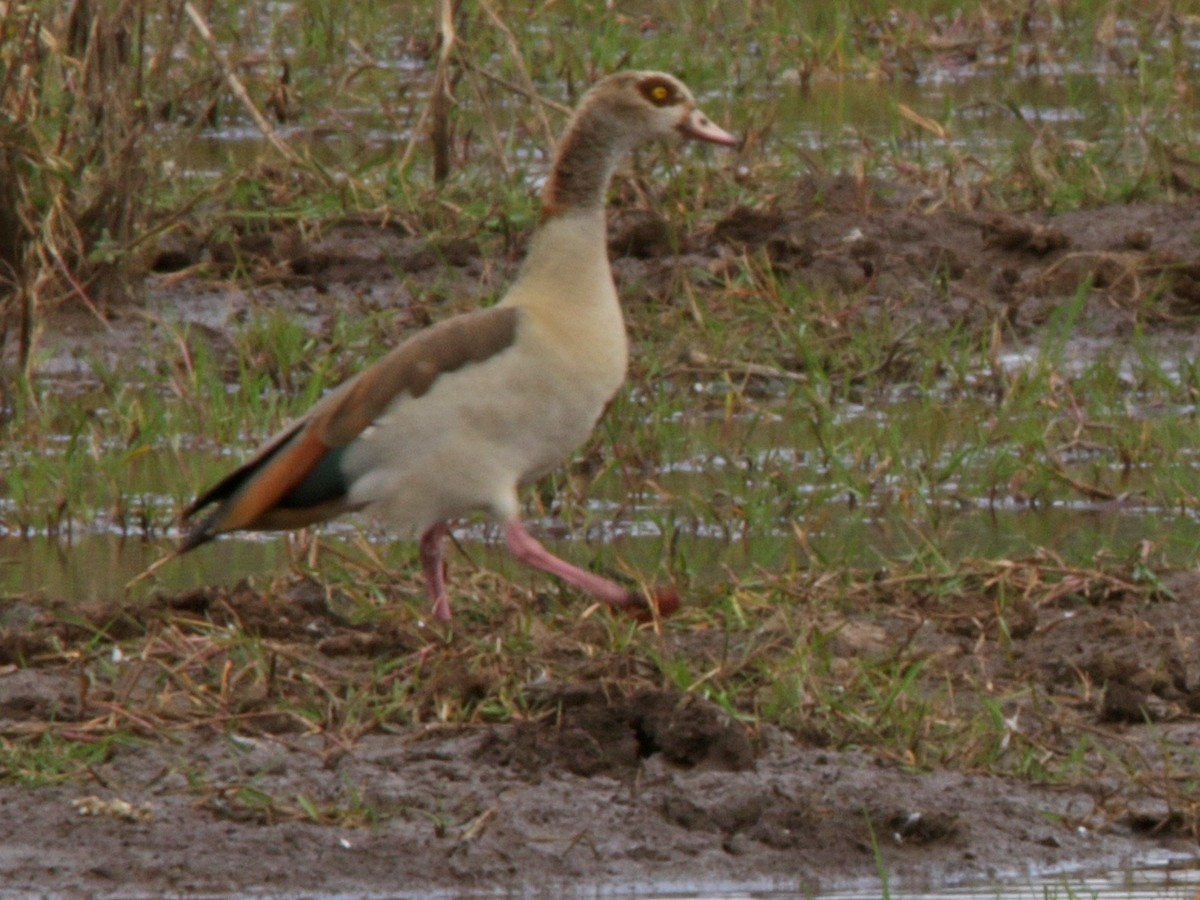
(658, 92)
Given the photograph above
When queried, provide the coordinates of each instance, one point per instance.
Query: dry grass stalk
(72, 145)
(441, 98)
(239, 90)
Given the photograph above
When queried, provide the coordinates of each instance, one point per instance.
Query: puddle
(1160, 876)
(1173, 878)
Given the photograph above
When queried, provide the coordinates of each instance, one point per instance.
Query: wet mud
(607, 779)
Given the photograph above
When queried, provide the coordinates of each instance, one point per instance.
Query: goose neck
(583, 167)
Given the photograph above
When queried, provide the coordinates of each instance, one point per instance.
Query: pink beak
(697, 125)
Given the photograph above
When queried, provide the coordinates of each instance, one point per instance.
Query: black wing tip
(200, 533)
(212, 495)
(194, 539)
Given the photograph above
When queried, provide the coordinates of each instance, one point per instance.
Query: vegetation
(802, 527)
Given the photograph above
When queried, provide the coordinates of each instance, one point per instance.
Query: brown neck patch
(583, 162)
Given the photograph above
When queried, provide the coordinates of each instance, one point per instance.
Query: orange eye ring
(660, 93)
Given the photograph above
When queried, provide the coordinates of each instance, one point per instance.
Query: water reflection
(1174, 877)
(1160, 876)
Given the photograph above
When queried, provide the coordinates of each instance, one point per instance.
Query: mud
(610, 780)
(461, 820)
(607, 781)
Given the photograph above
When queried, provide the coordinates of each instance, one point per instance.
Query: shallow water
(756, 491)
(1177, 879)
(984, 108)
(774, 485)
(1169, 877)
(835, 120)
(1160, 876)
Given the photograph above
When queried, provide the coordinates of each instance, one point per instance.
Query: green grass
(834, 450)
(54, 757)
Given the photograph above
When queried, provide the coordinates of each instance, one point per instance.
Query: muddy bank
(872, 249)
(466, 811)
(225, 782)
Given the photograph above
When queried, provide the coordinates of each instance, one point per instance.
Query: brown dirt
(606, 779)
(611, 778)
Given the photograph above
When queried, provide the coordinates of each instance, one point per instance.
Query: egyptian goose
(461, 414)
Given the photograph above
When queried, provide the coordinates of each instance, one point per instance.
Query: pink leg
(526, 548)
(433, 562)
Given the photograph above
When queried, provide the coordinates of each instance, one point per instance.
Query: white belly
(477, 434)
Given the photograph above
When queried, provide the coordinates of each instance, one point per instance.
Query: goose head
(617, 114)
(636, 107)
